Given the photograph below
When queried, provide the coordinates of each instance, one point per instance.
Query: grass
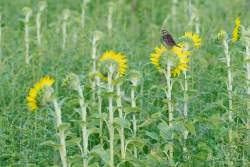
(29, 138)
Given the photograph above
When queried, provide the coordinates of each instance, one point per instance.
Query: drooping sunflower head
(33, 95)
(117, 60)
(177, 56)
(194, 38)
(236, 30)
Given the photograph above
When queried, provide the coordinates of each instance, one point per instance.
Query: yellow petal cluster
(236, 30)
(178, 51)
(118, 58)
(183, 60)
(156, 56)
(195, 38)
(33, 92)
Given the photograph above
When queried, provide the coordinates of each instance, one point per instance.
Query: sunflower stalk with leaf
(113, 66)
(170, 62)
(228, 41)
(42, 94)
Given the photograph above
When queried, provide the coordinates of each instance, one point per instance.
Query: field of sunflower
(124, 83)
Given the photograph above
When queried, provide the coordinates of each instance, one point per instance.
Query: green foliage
(29, 138)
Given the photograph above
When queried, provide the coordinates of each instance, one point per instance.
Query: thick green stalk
(111, 116)
(99, 98)
(42, 6)
(248, 84)
(110, 19)
(26, 37)
(66, 13)
(121, 131)
(63, 152)
(170, 107)
(174, 4)
(229, 87)
(0, 36)
(94, 59)
(134, 122)
(185, 93)
(83, 108)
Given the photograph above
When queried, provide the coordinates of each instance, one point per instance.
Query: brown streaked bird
(168, 39)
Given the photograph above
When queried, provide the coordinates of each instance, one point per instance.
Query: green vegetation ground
(136, 34)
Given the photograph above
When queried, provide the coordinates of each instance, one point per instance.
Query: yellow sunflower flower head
(176, 53)
(194, 38)
(32, 98)
(118, 60)
(236, 30)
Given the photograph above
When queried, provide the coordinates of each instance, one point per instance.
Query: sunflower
(179, 52)
(195, 38)
(34, 91)
(236, 30)
(117, 59)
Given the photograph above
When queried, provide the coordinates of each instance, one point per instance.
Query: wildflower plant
(170, 63)
(224, 37)
(246, 41)
(73, 82)
(41, 7)
(27, 12)
(43, 93)
(114, 65)
(35, 92)
(135, 79)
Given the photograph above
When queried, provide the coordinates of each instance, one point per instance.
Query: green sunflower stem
(0, 36)
(83, 108)
(62, 150)
(120, 110)
(26, 36)
(230, 98)
(174, 4)
(64, 28)
(42, 6)
(99, 98)
(190, 12)
(94, 59)
(248, 84)
(111, 116)
(185, 107)
(111, 9)
(197, 24)
(229, 87)
(84, 6)
(134, 122)
(170, 108)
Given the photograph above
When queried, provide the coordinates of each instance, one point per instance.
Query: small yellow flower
(236, 30)
(118, 58)
(34, 91)
(195, 38)
(181, 54)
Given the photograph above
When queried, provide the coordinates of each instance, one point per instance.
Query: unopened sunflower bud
(135, 78)
(66, 14)
(222, 35)
(27, 12)
(98, 35)
(42, 5)
(72, 81)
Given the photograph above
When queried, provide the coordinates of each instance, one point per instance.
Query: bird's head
(164, 32)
